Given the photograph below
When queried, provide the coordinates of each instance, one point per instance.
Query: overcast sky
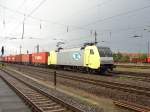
(46, 22)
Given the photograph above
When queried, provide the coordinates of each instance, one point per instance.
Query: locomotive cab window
(91, 51)
(105, 52)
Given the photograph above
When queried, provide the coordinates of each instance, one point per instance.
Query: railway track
(37, 99)
(132, 106)
(132, 75)
(114, 73)
(114, 85)
(133, 66)
(147, 75)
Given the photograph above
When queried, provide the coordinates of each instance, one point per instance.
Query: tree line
(119, 57)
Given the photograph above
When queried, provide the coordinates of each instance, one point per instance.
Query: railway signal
(55, 81)
(2, 50)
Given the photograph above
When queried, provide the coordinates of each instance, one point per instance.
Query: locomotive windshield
(105, 52)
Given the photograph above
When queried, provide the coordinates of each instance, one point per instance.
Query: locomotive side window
(91, 51)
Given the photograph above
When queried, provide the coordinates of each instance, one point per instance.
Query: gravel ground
(121, 80)
(134, 70)
(107, 92)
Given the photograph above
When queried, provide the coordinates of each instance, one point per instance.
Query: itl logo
(76, 56)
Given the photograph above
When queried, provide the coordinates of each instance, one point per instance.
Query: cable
(107, 30)
(29, 15)
(108, 18)
(48, 21)
(20, 6)
(121, 14)
(21, 13)
(118, 15)
(36, 8)
(93, 7)
(11, 14)
(26, 16)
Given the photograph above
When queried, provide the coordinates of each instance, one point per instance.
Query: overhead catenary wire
(48, 21)
(83, 27)
(12, 15)
(30, 14)
(114, 16)
(109, 18)
(27, 15)
(22, 13)
(78, 27)
(20, 6)
(118, 15)
(93, 7)
(36, 8)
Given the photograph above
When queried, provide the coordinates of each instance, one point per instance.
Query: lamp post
(20, 48)
(148, 46)
(38, 47)
(137, 37)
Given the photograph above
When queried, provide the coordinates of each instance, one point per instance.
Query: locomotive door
(86, 57)
(92, 58)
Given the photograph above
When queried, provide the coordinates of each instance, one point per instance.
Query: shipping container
(148, 60)
(5, 59)
(18, 58)
(26, 58)
(40, 58)
(9, 59)
(13, 58)
(1, 58)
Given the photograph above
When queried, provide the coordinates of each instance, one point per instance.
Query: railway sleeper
(46, 104)
(47, 101)
(41, 100)
(52, 107)
(31, 93)
(58, 110)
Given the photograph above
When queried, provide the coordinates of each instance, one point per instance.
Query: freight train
(138, 60)
(88, 58)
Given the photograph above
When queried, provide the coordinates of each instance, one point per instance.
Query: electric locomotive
(90, 58)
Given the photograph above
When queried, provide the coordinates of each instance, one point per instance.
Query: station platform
(9, 101)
